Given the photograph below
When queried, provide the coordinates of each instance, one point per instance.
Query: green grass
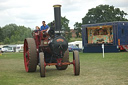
(112, 70)
(75, 39)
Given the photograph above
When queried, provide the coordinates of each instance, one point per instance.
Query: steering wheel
(44, 31)
(33, 33)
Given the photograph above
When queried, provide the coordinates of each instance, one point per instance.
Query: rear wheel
(76, 63)
(30, 55)
(65, 59)
(42, 64)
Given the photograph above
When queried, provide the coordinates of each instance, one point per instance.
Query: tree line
(100, 14)
(103, 13)
(12, 33)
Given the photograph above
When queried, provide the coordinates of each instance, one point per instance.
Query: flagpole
(103, 49)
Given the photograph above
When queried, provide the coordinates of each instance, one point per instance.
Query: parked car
(72, 48)
(7, 49)
(4, 49)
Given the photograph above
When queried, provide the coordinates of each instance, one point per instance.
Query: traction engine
(48, 48)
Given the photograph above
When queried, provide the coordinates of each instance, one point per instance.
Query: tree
(104, 13)
(77, 27)
(14, 33)
(1, 35)
(65, 28)
(6, 40)
(12, 39)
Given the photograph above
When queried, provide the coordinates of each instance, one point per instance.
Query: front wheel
(76, 63)
(42, 64)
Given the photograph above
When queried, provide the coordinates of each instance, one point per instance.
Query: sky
(31, 13)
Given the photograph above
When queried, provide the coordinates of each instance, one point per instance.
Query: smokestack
(57, 16)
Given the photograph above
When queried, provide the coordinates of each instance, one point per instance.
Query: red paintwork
(26, 59)
(65, 63)
(59, 63)
(121, 47)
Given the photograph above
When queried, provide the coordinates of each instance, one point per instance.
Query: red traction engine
(48, 48)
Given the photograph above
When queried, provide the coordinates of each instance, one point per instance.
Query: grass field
(112, 70)
(75, 39)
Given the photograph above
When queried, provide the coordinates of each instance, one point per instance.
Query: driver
(44, 26)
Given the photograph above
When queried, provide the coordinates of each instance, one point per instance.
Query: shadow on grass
(50, 71)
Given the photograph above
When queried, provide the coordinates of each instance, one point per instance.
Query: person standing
(37, 30)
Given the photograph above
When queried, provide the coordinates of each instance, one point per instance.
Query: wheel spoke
(26, 44)
(27, 55)
(27, 63)
(27, 52)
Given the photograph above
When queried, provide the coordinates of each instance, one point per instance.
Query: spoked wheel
(76, 63)
(30, 55)
(42, 64)
(65, 59)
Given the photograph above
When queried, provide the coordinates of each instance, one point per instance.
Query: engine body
(58, 45)
(53, 46)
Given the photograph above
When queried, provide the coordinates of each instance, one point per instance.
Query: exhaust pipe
(57, 16)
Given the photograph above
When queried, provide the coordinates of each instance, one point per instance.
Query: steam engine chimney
(57, 15)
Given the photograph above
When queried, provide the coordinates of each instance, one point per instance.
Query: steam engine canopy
(58, 45)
